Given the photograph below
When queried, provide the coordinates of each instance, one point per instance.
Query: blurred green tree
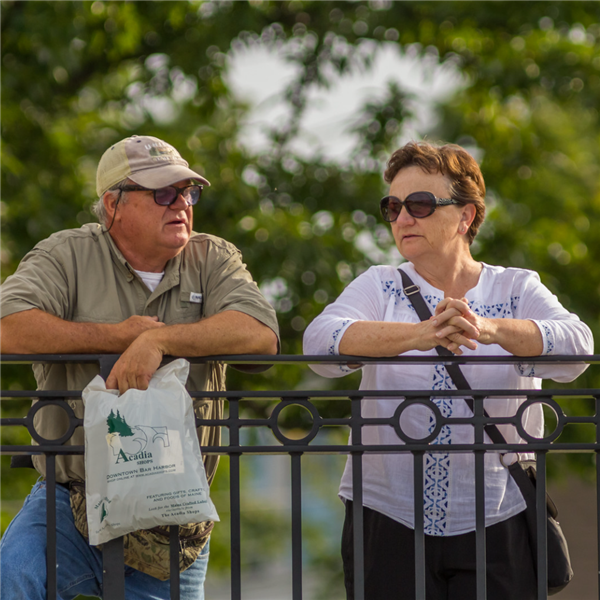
(78, 76)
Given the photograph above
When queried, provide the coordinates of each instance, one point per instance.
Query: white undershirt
(150, 279)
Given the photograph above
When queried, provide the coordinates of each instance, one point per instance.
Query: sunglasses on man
(168, 195)
(418, 205)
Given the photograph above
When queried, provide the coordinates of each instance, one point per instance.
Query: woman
(435, 207)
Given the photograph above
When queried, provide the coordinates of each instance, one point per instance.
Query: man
(143, 285)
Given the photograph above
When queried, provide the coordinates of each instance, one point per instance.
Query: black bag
(560, 572)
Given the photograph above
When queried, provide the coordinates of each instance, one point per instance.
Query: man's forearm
(37, 332)
(229, 332)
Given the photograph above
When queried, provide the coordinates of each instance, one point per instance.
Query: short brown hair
(452, 161)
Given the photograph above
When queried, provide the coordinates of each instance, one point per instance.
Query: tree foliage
(78, 76)
(528, 108)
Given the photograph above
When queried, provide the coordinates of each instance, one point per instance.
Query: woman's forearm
(520, 337)
(378, 338)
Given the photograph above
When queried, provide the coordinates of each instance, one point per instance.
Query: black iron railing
(113, 551)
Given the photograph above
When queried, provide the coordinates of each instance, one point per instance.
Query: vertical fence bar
(113, 557)
(296, 458)
(113, 573)
(357, 501)
(598, 500)
(419, 526)
(234, 500)
(540, 501)
(597, 424)
(174, 561)
(51, 525)
(480, 550)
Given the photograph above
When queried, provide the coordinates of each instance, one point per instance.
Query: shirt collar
(172, 268)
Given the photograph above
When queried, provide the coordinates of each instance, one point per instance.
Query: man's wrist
(157, 339)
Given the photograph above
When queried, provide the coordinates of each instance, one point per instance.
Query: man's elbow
(268, 343)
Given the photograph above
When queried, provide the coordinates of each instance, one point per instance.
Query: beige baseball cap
(144, 159)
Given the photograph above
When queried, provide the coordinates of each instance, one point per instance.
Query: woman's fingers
(461, 305)
(444, 316)
(458, 325)
(455, 342)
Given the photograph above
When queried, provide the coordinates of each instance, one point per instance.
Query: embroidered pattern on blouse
(549, 338)
(526, 370)
(389, 288)
(331, 349)
(437, 465)
(503, 310)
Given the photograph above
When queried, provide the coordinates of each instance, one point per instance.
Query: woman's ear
(467, 217)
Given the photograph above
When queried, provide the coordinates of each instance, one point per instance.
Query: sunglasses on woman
(168, 195)
(418, 205)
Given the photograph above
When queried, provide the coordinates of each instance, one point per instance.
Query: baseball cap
(146, 160)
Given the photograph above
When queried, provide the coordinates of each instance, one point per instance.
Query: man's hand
(135, 367)
(228, 332)
(130, 329)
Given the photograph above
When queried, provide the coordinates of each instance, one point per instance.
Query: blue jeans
(79, 565)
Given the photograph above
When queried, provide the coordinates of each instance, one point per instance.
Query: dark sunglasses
(418, 205)
(167, 195)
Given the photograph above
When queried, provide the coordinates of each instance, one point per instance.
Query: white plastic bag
(143, 465)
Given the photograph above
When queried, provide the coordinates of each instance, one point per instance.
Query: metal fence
(234, 421)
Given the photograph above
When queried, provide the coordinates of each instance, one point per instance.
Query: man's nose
(180, 203)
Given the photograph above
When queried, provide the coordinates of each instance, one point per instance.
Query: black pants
(450, 561)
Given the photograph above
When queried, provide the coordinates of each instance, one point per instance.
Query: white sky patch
(366, 243)
(260, 77)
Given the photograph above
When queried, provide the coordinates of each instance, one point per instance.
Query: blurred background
(291, 110)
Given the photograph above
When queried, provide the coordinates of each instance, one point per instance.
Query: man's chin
(177, 242)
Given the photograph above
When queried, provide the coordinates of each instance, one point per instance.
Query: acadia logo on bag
(130, 443)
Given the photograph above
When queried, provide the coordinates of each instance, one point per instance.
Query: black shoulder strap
(413, 293)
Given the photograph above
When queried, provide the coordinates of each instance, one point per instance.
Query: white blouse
(449, 485)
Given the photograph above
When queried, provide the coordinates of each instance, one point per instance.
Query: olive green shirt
(80, 275)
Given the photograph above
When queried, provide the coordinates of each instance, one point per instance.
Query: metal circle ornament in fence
(560, 419)
(73, 422)
(436, 420)
(277, 430)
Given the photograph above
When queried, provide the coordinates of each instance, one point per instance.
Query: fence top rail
(316, 394)
(260, 359)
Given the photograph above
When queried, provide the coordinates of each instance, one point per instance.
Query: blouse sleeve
(562, 332)
(360, 301)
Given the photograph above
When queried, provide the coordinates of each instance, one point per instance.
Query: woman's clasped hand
(457, 326)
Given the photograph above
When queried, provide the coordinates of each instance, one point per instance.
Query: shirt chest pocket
(188, 308)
